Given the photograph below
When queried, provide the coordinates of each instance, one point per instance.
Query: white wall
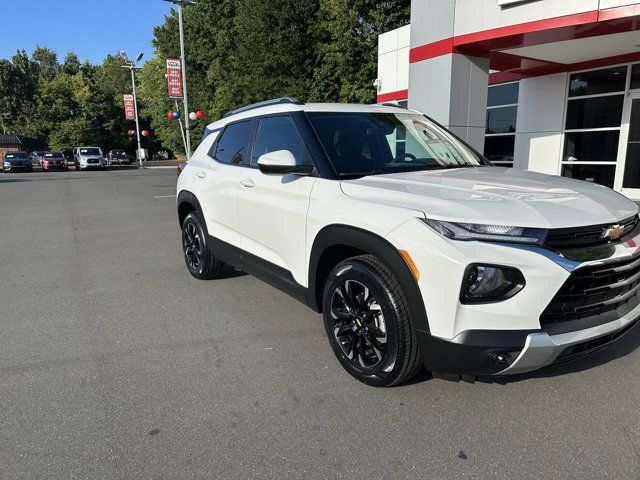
(478, 15)
(393, 60)
(615, 3)
(541, 105)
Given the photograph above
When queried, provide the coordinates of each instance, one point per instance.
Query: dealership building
(551, 86)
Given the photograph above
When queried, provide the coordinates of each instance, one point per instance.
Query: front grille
(92, 160)
(589, 236)
(611, 288)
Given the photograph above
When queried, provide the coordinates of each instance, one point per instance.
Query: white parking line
(165, 196)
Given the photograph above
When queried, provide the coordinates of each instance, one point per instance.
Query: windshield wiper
(360, 174)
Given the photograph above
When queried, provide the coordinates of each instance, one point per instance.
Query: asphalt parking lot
(115, 363)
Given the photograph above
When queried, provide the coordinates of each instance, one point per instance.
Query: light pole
(132, 66)
(181, 4)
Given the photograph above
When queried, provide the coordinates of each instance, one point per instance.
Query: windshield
(16, 155)
(53, 155)
(90, 151)
(118, 153)
(360, 144)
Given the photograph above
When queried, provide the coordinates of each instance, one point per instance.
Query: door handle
(201, 174)
(247, 183)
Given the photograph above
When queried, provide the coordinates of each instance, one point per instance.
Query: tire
(198, 257)
(371, 332)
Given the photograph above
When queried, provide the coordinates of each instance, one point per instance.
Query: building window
(500, 133)
(635, 76)
(595, 103)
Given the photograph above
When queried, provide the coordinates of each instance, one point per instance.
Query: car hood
(17, 161)
(90, 157)
(495, 195)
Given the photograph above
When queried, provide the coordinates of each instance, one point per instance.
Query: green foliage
(237, 51)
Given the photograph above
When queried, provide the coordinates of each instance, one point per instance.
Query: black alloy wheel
(192, 246)
(358, 323)
(198, 257)
(367, 321)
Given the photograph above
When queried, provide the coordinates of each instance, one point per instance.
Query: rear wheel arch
(336, 243)
(187, 203)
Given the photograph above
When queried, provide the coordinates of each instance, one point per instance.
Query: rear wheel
(368, 324)
(198, 257)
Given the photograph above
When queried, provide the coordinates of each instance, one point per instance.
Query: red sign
(174, 77)
(129, 108)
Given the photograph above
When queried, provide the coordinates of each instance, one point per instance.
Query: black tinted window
(635, 76)
(279, 133)
(232, 146)
(503, 94)
(598, 112)
(594, 82)
(501, 120)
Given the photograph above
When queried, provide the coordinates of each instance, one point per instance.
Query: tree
(347, 32)
(47, 62)
(71, 63)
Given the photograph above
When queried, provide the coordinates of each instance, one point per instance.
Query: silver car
(89, 157)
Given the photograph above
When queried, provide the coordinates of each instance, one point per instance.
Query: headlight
(490, 283)
(490, 233)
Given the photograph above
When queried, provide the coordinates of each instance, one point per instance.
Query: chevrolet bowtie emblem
(613, 232)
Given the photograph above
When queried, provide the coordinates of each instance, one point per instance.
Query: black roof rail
(267, 103)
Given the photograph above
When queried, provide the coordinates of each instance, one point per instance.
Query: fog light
(499, 358)
(490, 283)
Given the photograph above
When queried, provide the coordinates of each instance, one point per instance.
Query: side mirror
(282, 162)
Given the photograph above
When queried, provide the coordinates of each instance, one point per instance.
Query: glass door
(630, 148)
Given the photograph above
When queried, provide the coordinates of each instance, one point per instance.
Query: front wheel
(368, 323)
(199, 258)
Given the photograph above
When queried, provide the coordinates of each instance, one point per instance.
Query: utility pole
(132, 66)
(181, 4)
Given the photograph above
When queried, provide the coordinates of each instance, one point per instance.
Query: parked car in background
(163, 155)
(36, 158)
(16, 161)
(181, 166)
(54, 161)
(88, 157)
(118, 157)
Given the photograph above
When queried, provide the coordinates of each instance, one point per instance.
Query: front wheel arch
(335, 243)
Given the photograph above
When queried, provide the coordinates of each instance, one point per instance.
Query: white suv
(415, 249)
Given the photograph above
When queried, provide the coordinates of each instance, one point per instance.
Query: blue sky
(91, 28)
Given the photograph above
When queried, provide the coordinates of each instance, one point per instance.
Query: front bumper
(54, 166)
(504, 337)
(494, 352)
(17, 168)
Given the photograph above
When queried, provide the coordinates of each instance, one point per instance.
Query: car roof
(286, 107)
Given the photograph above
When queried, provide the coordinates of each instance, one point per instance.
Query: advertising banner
(174, 77)
(129, 107)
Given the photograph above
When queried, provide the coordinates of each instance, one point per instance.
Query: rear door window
(233, 144)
